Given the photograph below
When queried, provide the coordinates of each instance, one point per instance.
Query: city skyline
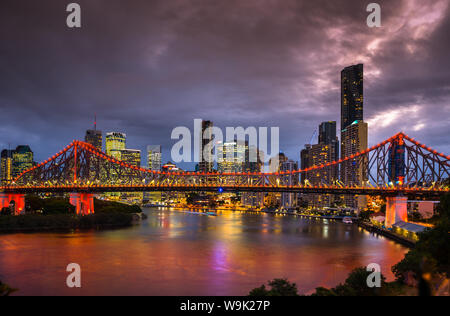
(221, 79)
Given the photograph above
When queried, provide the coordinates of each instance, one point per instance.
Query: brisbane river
(180, 253)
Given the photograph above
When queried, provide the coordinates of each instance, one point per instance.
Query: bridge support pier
(18, 199)
(396, 210)
(83, 202)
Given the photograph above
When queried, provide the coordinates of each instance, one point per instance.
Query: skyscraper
(154, 157)
(95, 138)
(22, 159)
(6, 166)
(354, 132)
(231, 156)
(352, 95)
(206, 162)
(327, 136)
(133, 158)
(115, 143)
(354, 140)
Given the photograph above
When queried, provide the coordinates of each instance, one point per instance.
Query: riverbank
(388, 234)
(57, 214)
(63, 222)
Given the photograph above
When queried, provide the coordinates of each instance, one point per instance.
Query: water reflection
(180, 253)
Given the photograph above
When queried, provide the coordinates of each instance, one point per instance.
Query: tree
(355, 285)
(278, 287)
(5, 290)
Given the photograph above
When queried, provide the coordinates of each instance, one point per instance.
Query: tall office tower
(206, 162)
(6, 166)
(115, 143)
(352, 95)
(289, 199)
(95, 138)
(354, 140)
(22, 159)
(231, 156)
(133, 158)
(154, 157)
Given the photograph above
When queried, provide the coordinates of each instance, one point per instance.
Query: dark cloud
(146, 67)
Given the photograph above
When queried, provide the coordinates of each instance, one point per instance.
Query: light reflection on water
(179, 253)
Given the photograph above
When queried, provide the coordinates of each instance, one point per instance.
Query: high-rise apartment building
(354, 132)
(354, 172)
(206, 161)
(328, 136)
(352, 95)
(115, 143)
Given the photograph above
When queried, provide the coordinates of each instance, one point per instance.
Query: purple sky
(146, 67)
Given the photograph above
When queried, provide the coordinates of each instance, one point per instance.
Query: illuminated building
(206, 162)
(133, 158)
(6, 167)
(327, 135)
(274, 199)
(289, 199)
(172, 197)
(115, 143)
(354, 132)
(231, 156)
(22, 160)
(352, 95)
(154, 157)
(354, 140)
(326, 151)
(305, 161)
(253, 199)
(95, 138)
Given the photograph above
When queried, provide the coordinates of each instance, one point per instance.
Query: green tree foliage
(278, 287)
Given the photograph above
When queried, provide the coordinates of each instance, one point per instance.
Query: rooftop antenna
(95, 122)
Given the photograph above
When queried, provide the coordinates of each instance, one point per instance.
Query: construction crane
(312, 137)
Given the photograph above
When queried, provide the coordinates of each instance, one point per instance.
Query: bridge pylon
(83, 202)
(396, 210)
(18, 199)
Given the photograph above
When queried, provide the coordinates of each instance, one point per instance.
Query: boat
(347, 220)
(211, 214)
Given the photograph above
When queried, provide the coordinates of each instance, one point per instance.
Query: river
(179, 253)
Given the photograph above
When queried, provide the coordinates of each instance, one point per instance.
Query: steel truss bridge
(397, 166)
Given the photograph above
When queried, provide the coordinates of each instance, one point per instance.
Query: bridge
(397, 168)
